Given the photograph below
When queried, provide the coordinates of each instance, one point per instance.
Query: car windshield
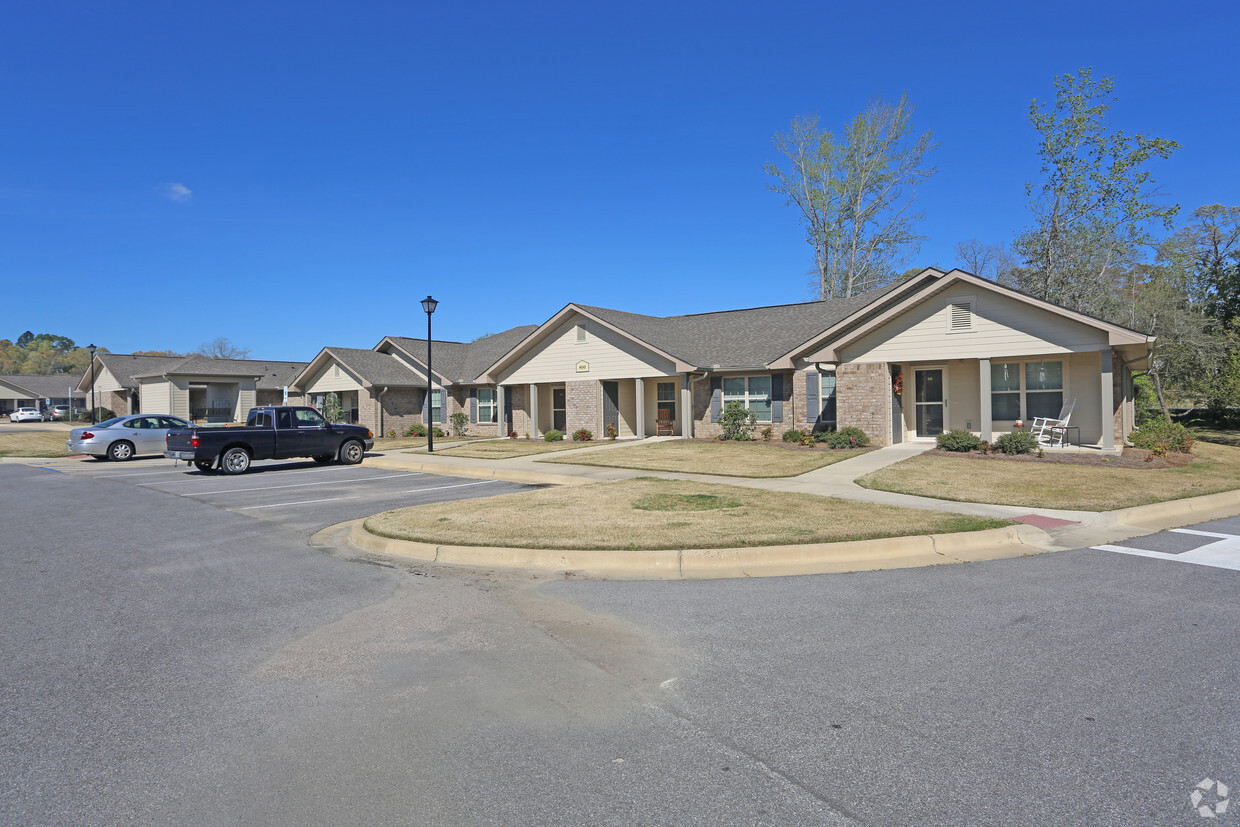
(108, 423)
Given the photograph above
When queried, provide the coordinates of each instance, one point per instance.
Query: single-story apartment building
(938, 351)
(193, 387)
(38, 391)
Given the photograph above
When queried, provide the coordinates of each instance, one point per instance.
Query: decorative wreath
(897, 384)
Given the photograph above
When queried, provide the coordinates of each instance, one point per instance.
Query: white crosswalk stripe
(1223, 553)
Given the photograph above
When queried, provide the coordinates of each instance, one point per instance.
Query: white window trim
(749, 397)
(1024, 385)
(492, 405)
(961, 301)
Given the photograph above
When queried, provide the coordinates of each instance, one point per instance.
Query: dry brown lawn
(649, 514)
(401, 443)
(34, 444)
(509, 448)
(726, 459)
(1213, 468)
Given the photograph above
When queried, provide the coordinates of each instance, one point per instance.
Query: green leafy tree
(1096, 204)
(855, 194)
(333, 411)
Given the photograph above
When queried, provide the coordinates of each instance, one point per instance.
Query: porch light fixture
(91, 350)
(429, 305)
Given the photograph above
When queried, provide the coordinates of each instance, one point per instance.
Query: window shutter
(813, 408)
(473, 405)
(426, 408)
(716, 398)
(507, 412)
(777, 398)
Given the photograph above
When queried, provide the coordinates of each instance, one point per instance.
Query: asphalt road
(174, 653)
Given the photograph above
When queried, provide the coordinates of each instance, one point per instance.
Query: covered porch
(637, 407)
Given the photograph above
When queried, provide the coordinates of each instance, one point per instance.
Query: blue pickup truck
(278, 432)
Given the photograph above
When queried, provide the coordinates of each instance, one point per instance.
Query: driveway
(170, 658)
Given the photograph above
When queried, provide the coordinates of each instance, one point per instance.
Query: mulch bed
(1131, 458)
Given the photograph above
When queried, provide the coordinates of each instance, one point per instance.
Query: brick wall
(115, 401)
(582, 401)
(402, 407)
(794, 409)
(863, 399)
(520, 413)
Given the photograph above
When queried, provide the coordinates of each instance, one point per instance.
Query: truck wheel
(351, 452)
(235, 461)
(204, 465)
(323, 459)
(120, 450)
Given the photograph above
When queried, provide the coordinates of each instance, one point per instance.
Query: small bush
(1017, 442)
(512, 434)
(958, 440)
(792, 435)
(553, 436)
(738, 422)
(416, 429)
(391, 434)
(612, 433)
(102, 414)
(808, 440)
(440, 431)
(459, 421)
(582, 435)
(767, 433)
(1163, 437)
(845, 438)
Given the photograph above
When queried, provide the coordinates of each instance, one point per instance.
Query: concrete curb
(1176, 513)
(720, 563)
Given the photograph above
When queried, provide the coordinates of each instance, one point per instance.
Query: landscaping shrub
(1163, 437)
(808, 440)
(391, 434)
(102, 414)
(553, 436)
(767, 433)
(792, 435)
(440, 431)
(459, 421)
(612, 433)
(737, 421)
(582, 435)
(1017, 442)
(845, 438)
(333, 411)
(958, 440)
(416, 429)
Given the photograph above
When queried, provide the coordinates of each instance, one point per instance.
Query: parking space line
(200, 477)
(1223, 553)
(294, 485)
(356, 497)
(442, 487)
(299, 502)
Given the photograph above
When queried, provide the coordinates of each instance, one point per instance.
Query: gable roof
(125, 366)
(43, 386)
(271, 375)
(462, 362)
(369, 367)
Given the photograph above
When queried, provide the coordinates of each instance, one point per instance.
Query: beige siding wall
(155, 397)
(178, 390)
(627, 397)
(332, 378)
(1000, 325)
(610, 356)
(105, 382)
(247, 397)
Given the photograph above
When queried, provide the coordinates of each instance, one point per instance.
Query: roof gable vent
(960, 315)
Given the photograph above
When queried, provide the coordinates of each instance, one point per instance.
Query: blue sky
(294, 175)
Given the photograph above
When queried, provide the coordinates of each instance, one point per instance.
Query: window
(827, 389)
(437, 406)
(1040, 395)
(752, 392)
(487, 409)
(665, 392)
(306, 418)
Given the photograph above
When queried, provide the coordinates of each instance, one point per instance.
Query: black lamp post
(91, 350)
(429, 305)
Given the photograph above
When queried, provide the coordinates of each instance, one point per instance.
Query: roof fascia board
(418, 365)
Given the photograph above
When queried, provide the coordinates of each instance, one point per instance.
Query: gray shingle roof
(272, 375)
(55, 386)
(737, 338)
(376, 368)
(125, 366)
(463, 362)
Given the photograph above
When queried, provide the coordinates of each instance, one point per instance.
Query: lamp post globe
(429, 305)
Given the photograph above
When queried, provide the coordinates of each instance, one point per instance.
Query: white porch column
(503, 427)
(686, 407)
(984, 371)
(533, 393)
(1108, 402)
(639, 388)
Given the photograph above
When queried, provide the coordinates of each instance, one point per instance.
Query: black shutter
(716, 398)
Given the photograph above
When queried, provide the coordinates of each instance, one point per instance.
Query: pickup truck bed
(279, 432)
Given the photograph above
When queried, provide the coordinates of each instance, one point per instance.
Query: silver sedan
(124, 437)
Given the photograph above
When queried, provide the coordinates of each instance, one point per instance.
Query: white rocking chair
(1053, 431)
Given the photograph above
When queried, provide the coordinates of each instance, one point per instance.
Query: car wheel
(120, 450)
(203, 465)
(323, 459)
(235, 461)
(351, 452)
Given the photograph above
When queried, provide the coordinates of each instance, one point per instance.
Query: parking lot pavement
(302, 495)
(1215, 544)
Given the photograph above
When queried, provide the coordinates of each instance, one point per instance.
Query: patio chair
(1053, 431)
(663, 424)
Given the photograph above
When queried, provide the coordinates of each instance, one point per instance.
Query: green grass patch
(684, 502)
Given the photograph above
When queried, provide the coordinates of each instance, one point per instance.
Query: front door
(611, 406)
(558, 409)
(929, 401)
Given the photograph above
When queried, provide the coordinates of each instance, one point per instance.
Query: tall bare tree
(989, 261)
(222, 348)
(855, 193)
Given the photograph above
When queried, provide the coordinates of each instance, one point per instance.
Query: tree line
(1101, 240)
(48, 354)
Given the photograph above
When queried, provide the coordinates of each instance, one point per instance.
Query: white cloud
(177, 192)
